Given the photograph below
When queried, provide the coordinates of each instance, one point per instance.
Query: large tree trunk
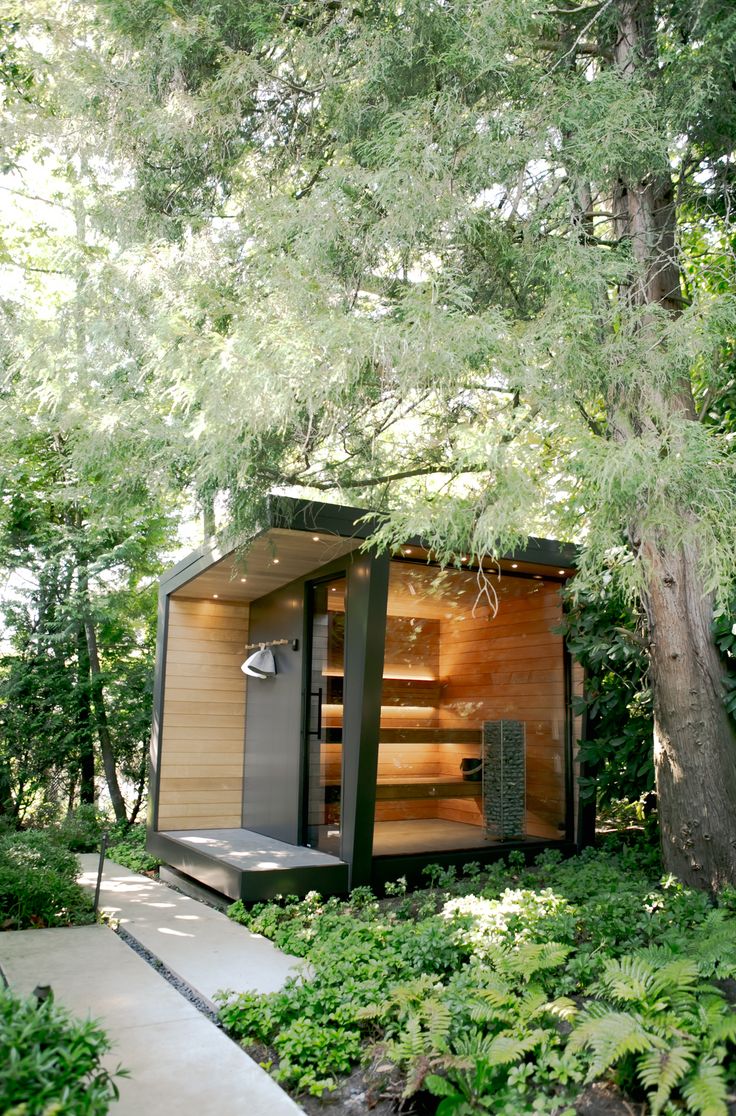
(694, 742)
(694, 746)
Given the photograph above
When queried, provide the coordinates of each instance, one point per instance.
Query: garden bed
(589, 987)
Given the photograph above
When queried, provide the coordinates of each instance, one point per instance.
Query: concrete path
(179, 1061)
(202, 946)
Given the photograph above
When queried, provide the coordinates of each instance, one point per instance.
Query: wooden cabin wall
(201, 759)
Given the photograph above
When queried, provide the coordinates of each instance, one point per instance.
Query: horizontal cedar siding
(204, 716)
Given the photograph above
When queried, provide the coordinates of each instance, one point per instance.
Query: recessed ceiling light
(315, 538)
(408, 550)
(333, 590)
(275, 561)
(244, 579)
(561, 571)
(514, 565)
(537, 577)
(216, 595)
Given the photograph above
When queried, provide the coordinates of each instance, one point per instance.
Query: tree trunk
(141, 790)
(84, 724)
(103, 731)
(97, 695)
(694, 742)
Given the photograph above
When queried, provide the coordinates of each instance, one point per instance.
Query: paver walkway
(201, 945)
(179, 1061)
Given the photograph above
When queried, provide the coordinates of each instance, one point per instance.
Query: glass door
(323, 797)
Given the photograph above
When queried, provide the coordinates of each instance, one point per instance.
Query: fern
(666, 999)
(611, 1035)
(627, 979)
(410, 1044)
(678, 975)
(439, 1086)
(723, 1028)
(534, 1003)
(711, 945)
(530, 958)
(705, 1089)
(424, 1033)
(507, 1048)
(562, 1008)
(661, 1070)
(496, 997)
(438, 1018)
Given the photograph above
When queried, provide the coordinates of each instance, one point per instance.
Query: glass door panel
(325, 716)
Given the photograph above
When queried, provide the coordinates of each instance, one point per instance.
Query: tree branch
(594, 426)
(36, 197)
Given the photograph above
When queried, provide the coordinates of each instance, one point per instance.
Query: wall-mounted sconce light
(261, 664)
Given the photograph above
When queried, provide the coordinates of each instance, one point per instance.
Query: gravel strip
(200, 1003)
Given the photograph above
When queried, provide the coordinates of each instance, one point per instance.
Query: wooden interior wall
(409, 700)
(511, 667)
(201, 781)
(451, 668)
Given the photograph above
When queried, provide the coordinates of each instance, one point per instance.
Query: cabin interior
(460, 651)
(463, 745)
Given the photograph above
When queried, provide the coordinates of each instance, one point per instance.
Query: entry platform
(246, 865)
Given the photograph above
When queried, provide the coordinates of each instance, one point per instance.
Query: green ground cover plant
(50, 1063)
(128, 847)
(38, 882)
(508, 990)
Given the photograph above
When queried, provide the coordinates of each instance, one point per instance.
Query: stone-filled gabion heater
(504, 779)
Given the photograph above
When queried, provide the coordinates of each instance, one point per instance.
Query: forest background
(467, 264)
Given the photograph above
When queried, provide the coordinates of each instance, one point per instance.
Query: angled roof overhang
(301, 536)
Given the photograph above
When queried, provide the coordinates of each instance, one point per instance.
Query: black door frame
(365, 627)
(310, 586)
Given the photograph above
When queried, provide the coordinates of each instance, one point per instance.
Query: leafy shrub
(311, 1053)
(517, 916)
(128, 847)
(38, 883)
(51, 1063)
(81, 830)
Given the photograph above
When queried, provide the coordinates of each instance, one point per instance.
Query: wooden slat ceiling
(274, 559)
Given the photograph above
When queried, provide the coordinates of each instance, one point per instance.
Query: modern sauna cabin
(413, 715)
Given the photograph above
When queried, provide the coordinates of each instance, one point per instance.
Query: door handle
(318, 694)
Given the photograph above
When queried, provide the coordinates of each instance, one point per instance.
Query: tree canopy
(469, 264)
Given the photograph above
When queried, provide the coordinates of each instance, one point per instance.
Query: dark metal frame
(307, 661)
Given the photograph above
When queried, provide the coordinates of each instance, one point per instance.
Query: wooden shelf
(422, 736)
(391, 674)
(427, 788)
(429, 736)
(422, 787)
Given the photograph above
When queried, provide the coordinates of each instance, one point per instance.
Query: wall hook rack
(293, 643)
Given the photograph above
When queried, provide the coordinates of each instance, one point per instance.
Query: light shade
(261, 664)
